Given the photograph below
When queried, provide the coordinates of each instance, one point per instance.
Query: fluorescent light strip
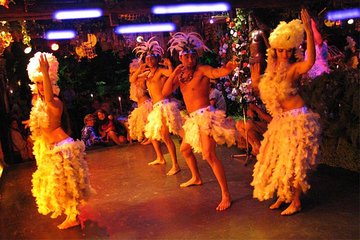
(191, 8)
(63, 34)
(78, 14)
(143, 28)
(343, 14)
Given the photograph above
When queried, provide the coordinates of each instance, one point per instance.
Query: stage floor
(137, 201)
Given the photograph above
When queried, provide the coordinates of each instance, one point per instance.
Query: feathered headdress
(151, 47)
(36, 75)
(135, 64)
(186, 43)
(287, 35)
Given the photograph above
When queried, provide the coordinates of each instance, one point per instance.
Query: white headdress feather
(186, 42)
(287, 35)
(36, 75)
(148, 47)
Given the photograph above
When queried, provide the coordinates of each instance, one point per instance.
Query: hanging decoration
(26, 38)
(235, 42)
(4, 3)
(5, 40)
(87, 49)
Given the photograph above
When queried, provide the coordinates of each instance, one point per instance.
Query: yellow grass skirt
(211, 123)
(138, 119)
(288, 151)
(60, 182)
(164, 112)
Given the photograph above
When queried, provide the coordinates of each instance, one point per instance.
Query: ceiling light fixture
(343, 14)
(78, 14)
(191, 8)
(143, 28)
(28, 50)
(63, 34)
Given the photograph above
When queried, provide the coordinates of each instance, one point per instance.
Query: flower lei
(274, 88)
(38, 118)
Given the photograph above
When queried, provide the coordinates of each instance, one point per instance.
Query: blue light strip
(78, 14)
(63, 34)
(143, 28)
(343, 14)
(191, 8)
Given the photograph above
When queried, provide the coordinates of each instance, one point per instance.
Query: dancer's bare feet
(68, 224)
(191, 182)
(293, 208)
(224, 204)
(157, 162)
(173, 171)
(277, 204)
(146, 141)
(55, 215)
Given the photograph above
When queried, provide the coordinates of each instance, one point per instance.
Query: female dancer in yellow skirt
(60, 183)
(291, 142)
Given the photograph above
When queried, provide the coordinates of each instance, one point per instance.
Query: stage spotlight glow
(63, 34)
(191, 8)
(78, 14)
(54, 46)
(139, 39)
(28, 50)
(142, 28)
(343, 14)
(350, 21)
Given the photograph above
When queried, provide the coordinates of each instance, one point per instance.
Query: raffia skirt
(61, 181)
(164, 112)
(288, 150)
(138, 119)
(211, 123)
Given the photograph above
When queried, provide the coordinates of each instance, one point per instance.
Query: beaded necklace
(184, 80)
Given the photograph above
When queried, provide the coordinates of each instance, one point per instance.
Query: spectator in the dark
(19, 145)
(88, 133)
(351, 55)
(254, 127)
(108, 129)
(107, 104)
(216, 97)
(95, 105)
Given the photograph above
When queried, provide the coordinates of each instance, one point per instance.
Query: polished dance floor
(137, 201)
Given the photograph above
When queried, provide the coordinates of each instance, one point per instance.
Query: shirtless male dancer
(165, 117)
(203, 128)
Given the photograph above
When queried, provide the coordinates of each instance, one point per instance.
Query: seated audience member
(109, 131)
(217, 100)
(88, 133)
(351, 54)
(19, 144)
(95, 105)
(256, 125)
(107, 104)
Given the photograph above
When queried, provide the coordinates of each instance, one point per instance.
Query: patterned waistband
(66, 140)
(293, 112)
(161, 102)
(147, 101)
(199, 111)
